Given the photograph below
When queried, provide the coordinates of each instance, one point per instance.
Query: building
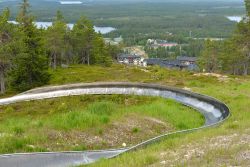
(115, 41)
(181, 62)
(156, 43)
(185, 60)
(131, 59)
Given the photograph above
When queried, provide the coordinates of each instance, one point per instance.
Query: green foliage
(88, 45)
(29, 67)
(247, 4)
(6, 40)
(55, 40)
(26, 52)
(100, 52)
(135, 130)
(210, 56)
(32, 123)
(233, 55)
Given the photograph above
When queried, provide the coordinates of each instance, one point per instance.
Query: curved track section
(212, 109)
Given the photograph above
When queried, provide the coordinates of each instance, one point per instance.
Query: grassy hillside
(225, 145)
(92, 122)
(119, 73)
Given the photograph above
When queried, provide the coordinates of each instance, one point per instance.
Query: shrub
(135, 130)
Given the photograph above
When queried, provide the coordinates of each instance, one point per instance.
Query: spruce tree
(30, 66)
(83, 35)
(242, 38)
(100, 53)
(5, 40)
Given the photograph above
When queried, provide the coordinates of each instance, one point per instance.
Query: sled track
(213, 110)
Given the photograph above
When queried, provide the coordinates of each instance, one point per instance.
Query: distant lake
(235, 18)
(70, 2)
(102, 30)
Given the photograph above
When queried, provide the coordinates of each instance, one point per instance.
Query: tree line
(232, 55)
(27, 52)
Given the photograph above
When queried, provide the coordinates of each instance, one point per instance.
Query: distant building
(131, 59)
(115, 41)
(211, 39)
(181, 62)
(156, 43)
(185, 60)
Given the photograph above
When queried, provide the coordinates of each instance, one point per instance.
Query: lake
(70, 2)
(102, 30)
(235, 18)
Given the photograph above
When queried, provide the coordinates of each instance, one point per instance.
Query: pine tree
(100, 54)
(242, 40)
(30, 66)
(83, 34)
(230, 58)
(55, 38)
(5, 40)
(210, 56)
(235, 55)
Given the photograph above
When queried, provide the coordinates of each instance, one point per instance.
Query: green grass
(41, 125)
(235, 92)
(79, 73)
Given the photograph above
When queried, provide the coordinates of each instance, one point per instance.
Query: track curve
(213, 110)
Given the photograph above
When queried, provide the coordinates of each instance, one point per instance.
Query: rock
(31, 146)
(186, 88)
(163, 162)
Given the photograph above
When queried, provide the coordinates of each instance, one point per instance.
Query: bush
(135, 130)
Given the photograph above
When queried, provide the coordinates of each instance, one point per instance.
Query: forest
(138, 20)
(27, 52)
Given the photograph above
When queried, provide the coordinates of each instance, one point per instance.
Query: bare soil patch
(227, 150)
(132, 129)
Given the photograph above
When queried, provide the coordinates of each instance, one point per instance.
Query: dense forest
(137, 20)
(232, 55)
(27, 52)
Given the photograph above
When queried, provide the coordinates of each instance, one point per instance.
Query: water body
(235, 18)
(102, 30)
(228, 7)
(70, 2)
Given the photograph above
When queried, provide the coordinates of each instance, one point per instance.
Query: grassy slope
(89, 122)
(226, 145)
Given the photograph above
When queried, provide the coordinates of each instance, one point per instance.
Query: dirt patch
(188, 89)
(132, 129)
(228, 150)
(221, 78)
